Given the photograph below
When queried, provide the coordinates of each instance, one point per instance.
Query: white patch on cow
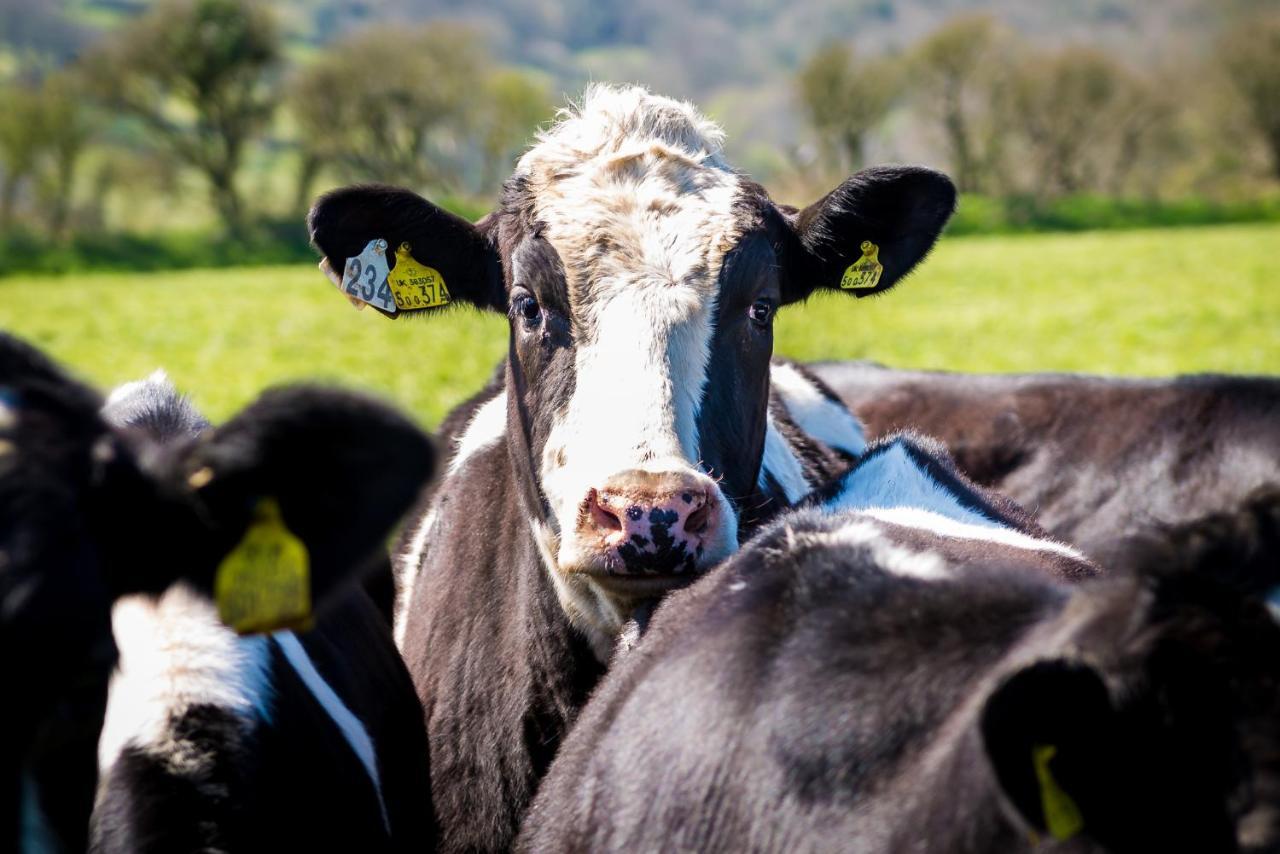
(124, 391)
(638, 202)
(782, 464)
(348, 724)
(935, 523)
(407, 568)
(8, 416)
(815, 413)
(893, 478)
(487, 425)
(175, 654)
(889, 556)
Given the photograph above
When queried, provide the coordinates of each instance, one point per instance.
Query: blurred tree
(514, 106)
(19, 144)
(391, 104)
(1077, 111)
(952, 71)
(65, 126)
(1250, 52)
(846, 98)
(198, 74)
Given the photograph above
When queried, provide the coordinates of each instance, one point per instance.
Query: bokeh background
(1119, 165)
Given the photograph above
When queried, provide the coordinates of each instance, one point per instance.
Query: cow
(100, 520)
(853, 681)
(632, 437)
(1105, 463)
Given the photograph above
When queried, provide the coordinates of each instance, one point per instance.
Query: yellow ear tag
(416, 285)
(865, 272)
(264, 583)
(1061, 815)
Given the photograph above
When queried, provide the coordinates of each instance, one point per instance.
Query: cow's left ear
(332, 470)
(866, 234)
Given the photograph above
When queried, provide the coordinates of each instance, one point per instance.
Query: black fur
(801, 697)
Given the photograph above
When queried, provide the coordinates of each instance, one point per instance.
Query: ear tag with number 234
(365, 277)
(865, 272)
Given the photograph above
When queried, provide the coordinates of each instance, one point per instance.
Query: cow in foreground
(212, 741)
(885, 680)
(1105, 463)
(633, 436)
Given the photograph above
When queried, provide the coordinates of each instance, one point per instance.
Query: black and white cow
(93, 514)
(868, 682)
(1104, 462)
(632, 437)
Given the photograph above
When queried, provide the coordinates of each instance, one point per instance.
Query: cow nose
(654, 524)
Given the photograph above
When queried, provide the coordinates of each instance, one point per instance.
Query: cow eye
(524, 305)
(761, 312)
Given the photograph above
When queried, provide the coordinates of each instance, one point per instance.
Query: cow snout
(653, 524)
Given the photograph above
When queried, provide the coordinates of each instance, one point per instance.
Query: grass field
(1136, 302)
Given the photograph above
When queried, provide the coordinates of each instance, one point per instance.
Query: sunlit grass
(1136, 302)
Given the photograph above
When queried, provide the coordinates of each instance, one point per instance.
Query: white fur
(889, 556)
(892, 478)
(815, 414)
(927, 520)
(487, 425)
(124, 391)
(348, 724)
(638, 203)
(407, 568)
(175, 654)
(781, 463)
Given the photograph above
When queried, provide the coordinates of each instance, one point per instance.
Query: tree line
(204, 86)
(1016, 118)
(201, 82)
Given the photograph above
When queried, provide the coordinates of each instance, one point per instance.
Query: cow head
(641, 276)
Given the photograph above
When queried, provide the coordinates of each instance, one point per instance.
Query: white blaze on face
(638, 203)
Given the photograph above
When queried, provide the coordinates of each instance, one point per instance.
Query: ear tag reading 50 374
(865, 272)
(365, 277)
(264, 583)
(416, 285)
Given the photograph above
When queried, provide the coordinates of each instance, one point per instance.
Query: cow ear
(1050, 735)
(866, 234)
(335, 470)
(343, 222)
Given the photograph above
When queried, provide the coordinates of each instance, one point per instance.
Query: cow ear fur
(341, 223)
(900, 210)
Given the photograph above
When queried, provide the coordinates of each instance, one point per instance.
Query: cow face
(641, 276)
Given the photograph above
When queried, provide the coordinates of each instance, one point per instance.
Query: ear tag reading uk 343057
(264, 583)
(365, 277)
(416, 285)
(865, 272)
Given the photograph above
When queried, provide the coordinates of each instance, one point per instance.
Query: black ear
(342, 468)
(1050, 733)
(886, 217)
(341, 223)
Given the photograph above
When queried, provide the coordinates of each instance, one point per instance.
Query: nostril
(602, 517)
(698, 520)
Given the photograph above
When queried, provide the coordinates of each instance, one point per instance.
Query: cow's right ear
(343, 222)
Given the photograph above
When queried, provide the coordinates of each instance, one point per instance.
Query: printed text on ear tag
(264, 583)
(365, 276)
(416, 285)
(1061, 815)
(865, 272)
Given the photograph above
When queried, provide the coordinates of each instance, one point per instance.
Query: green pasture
(1153, 302)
